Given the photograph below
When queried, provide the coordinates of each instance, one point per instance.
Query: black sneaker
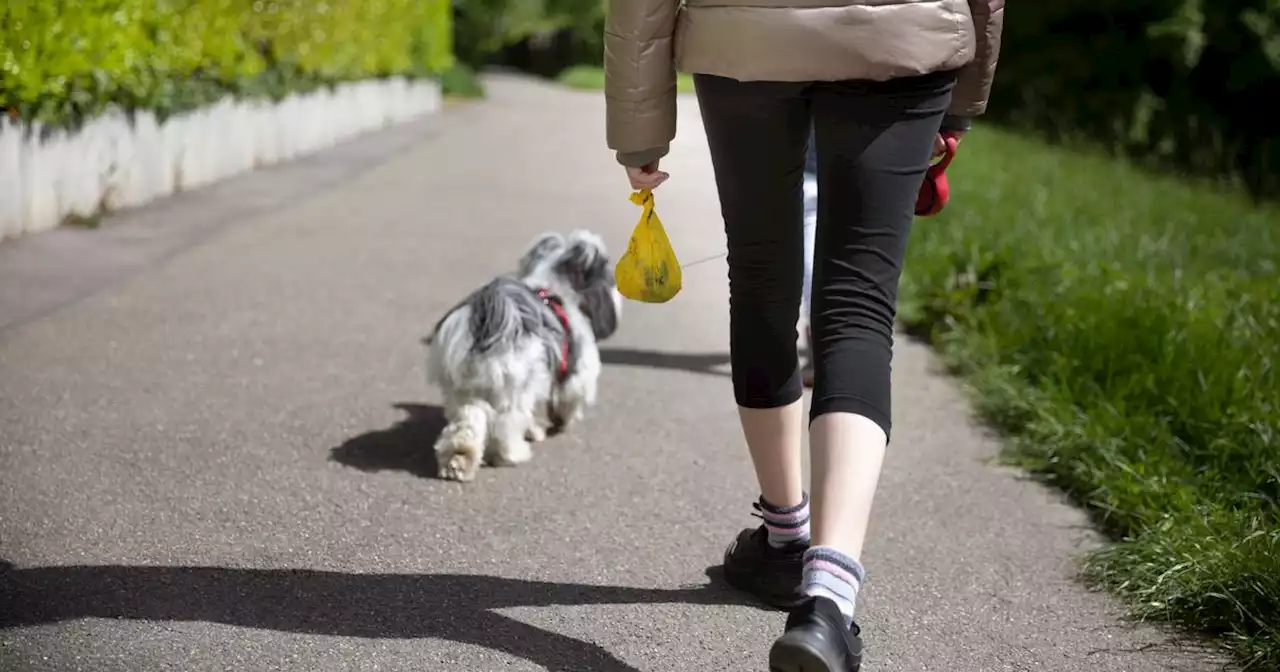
(770, 574)
(816, 640)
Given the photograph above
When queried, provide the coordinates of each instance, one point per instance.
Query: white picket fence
(113, 163)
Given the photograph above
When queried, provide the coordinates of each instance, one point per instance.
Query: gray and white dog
(518, 358)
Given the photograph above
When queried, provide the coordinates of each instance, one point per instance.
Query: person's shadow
(458, 608)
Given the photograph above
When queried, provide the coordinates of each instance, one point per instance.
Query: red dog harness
(557, 306)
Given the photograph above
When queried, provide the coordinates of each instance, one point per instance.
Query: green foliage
(1123, 329)
(591, 78)
(483, 28)
(1176, 82)
(62, 61)
(461, 81)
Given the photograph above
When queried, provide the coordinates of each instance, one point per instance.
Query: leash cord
(713, 257)
(704, 260)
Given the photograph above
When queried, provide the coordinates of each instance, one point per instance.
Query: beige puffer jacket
(647, 41)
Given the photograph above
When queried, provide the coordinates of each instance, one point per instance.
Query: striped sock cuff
(787, 525)
(837, 564)
(785, 518)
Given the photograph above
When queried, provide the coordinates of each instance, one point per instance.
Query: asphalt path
(215, 443)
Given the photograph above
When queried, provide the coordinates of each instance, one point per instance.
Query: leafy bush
(486, 30)
(62, 61)
(1179, 82)
(461, 81)
(1124, 330)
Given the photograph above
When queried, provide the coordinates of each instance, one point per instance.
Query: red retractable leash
(935, 191)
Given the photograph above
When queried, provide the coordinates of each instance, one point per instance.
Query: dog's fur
(496, 355)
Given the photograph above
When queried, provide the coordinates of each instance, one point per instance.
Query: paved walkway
(217, 461)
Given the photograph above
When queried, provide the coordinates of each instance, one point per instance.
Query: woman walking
(876, 80)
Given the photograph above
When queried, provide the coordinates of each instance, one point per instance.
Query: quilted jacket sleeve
(974, 86)
(640, 78)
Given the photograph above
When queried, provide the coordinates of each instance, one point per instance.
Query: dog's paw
(568, 423)
(512, 454)
(535, 434)
(565, 421)
(460, 467)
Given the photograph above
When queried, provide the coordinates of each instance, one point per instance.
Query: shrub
(62, 61)
(461, 81)
(1124, 329)
(540, 35)
(1177, 82)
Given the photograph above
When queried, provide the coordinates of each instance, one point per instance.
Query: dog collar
(556, 304)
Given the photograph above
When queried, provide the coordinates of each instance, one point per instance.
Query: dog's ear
(544, 247)
(601, 308)
(584, 262)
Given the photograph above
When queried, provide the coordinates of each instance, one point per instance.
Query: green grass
(1123, 330)
(461, 81)
(591, 78)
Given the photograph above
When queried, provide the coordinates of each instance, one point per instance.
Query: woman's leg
(757, 134)
(875, 142)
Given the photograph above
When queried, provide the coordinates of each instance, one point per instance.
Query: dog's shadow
(408, 445)
(405, 446)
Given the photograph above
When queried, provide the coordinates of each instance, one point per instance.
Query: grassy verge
(461, 82)
(591, 78)
(1123, 330)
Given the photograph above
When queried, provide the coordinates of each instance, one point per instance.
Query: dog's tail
(496, 317)
(461, 445)
(505, 311)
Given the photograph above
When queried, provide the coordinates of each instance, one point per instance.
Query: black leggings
(874, 141)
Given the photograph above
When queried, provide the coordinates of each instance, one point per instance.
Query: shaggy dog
(518, 358)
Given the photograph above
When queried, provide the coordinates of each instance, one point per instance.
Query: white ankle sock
(831, 574)
(785, 525)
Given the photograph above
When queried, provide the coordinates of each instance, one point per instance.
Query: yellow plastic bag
(649, 271)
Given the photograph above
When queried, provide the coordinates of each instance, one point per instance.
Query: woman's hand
(940, 142)
(646, 177)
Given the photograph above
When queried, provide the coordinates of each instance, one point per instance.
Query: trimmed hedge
(1124, 330)
(62, 61)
